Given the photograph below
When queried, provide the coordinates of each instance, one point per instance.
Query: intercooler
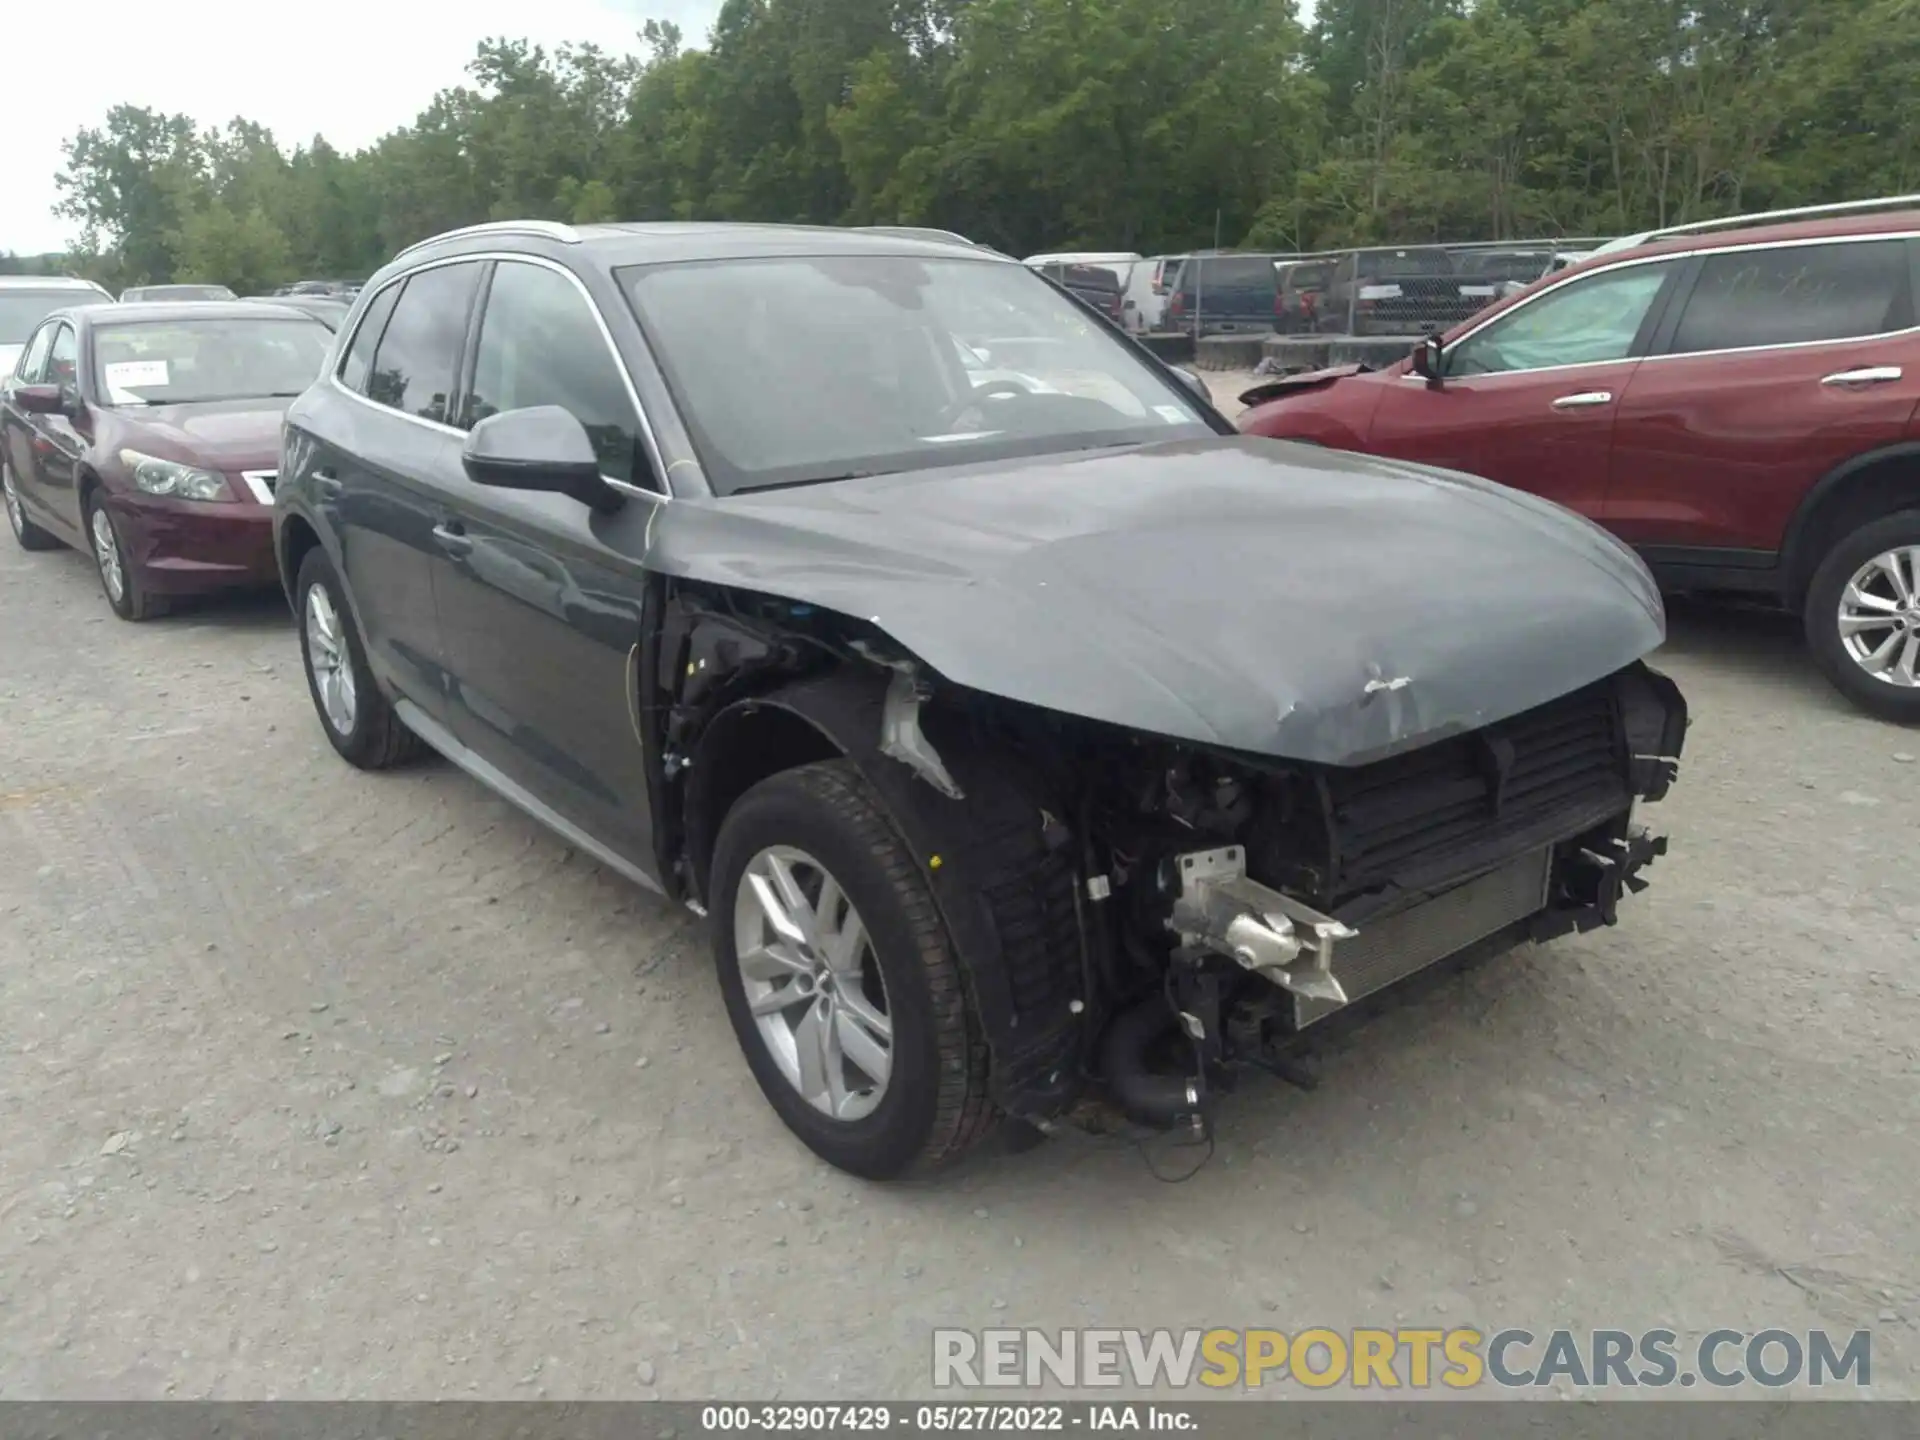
(1391, 947)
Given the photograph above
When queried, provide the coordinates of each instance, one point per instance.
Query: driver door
(1529, 399)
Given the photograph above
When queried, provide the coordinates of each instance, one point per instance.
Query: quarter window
(358, 365)
(1796, 295)
(1585, 322)
(541, 345)
(419, 355)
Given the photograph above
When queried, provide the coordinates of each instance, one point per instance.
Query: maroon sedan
(149, 436)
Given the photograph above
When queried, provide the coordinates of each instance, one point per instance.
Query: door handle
(1584, 399)
(452, 537)
(1868, 375)
(326, 482)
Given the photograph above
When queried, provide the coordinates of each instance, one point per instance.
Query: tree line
(1150, 125)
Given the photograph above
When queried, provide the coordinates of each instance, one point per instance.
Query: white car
(26, 300)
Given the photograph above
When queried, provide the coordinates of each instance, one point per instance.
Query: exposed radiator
(1396, 945)
(1389, 818)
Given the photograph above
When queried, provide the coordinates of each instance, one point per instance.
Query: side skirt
(441, 739)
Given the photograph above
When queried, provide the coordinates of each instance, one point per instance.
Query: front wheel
(1863, 616)
(841, 980)
(125, 591)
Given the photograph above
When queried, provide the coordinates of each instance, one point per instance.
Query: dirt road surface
(319, 1084)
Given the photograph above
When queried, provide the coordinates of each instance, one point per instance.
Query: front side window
(63, 360)
(33, 360)
(1796, 295)
(541, 345)
(811, 368)
(1585, 322)
(415, 365)
(186, 362)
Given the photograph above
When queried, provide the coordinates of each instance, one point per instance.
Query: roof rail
(549, 229)
(1798, 212)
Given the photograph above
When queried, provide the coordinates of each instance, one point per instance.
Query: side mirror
(41, 399)
(1193, 382)
(540, 448)
(1429, 362)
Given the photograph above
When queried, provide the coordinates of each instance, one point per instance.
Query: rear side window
(1795, 295)
(418, 356)
(358, 365)
(540, 345)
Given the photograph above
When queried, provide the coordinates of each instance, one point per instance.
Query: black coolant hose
(1162, 1101)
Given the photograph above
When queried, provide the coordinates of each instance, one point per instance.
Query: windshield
(21, 310)
(795, 370)
(179, 362)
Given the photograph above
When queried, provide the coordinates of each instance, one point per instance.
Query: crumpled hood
(220, 435)
(1248, 593)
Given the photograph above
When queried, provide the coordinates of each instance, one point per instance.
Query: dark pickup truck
(1410, 291)
(1224, 294)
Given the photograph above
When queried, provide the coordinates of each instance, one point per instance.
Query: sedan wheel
(106, 553)
(327, 660)
(812, 983)
(129, 598)
(30, 535)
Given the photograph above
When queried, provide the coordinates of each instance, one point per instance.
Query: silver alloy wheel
(813, 983)
(1880, 617)
(106, 552)
(329, 661)
(16, 516)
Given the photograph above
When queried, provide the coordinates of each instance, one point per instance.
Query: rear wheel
(359, 721)
(30, 535)
(1863, 616)
(841, 980)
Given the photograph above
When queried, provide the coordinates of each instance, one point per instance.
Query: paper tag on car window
(1172, 414)
(134, 374)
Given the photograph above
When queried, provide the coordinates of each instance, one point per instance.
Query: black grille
(1410, 815)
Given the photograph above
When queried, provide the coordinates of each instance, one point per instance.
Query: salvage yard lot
(323, 1084)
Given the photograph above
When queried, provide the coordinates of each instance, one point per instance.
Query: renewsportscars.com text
(1401, 1358)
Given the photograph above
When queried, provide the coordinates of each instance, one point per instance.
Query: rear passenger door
(1783, 362)
(540, 600)
(388, 478)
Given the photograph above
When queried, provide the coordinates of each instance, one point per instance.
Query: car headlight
(169, 477)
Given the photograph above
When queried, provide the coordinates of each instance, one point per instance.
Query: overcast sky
(347, 69)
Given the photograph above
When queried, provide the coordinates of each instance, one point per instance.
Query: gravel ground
(319, 1084)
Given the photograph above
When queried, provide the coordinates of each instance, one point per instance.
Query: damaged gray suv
(1037, 747)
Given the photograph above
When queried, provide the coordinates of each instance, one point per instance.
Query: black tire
(30, 535)
(1821, 616)
(377, 738)
(935, 1106)
(134, 602)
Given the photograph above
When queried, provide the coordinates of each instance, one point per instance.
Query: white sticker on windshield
(1172, 414)
(134, 374)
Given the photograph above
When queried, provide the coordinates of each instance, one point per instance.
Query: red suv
(1738, 405)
